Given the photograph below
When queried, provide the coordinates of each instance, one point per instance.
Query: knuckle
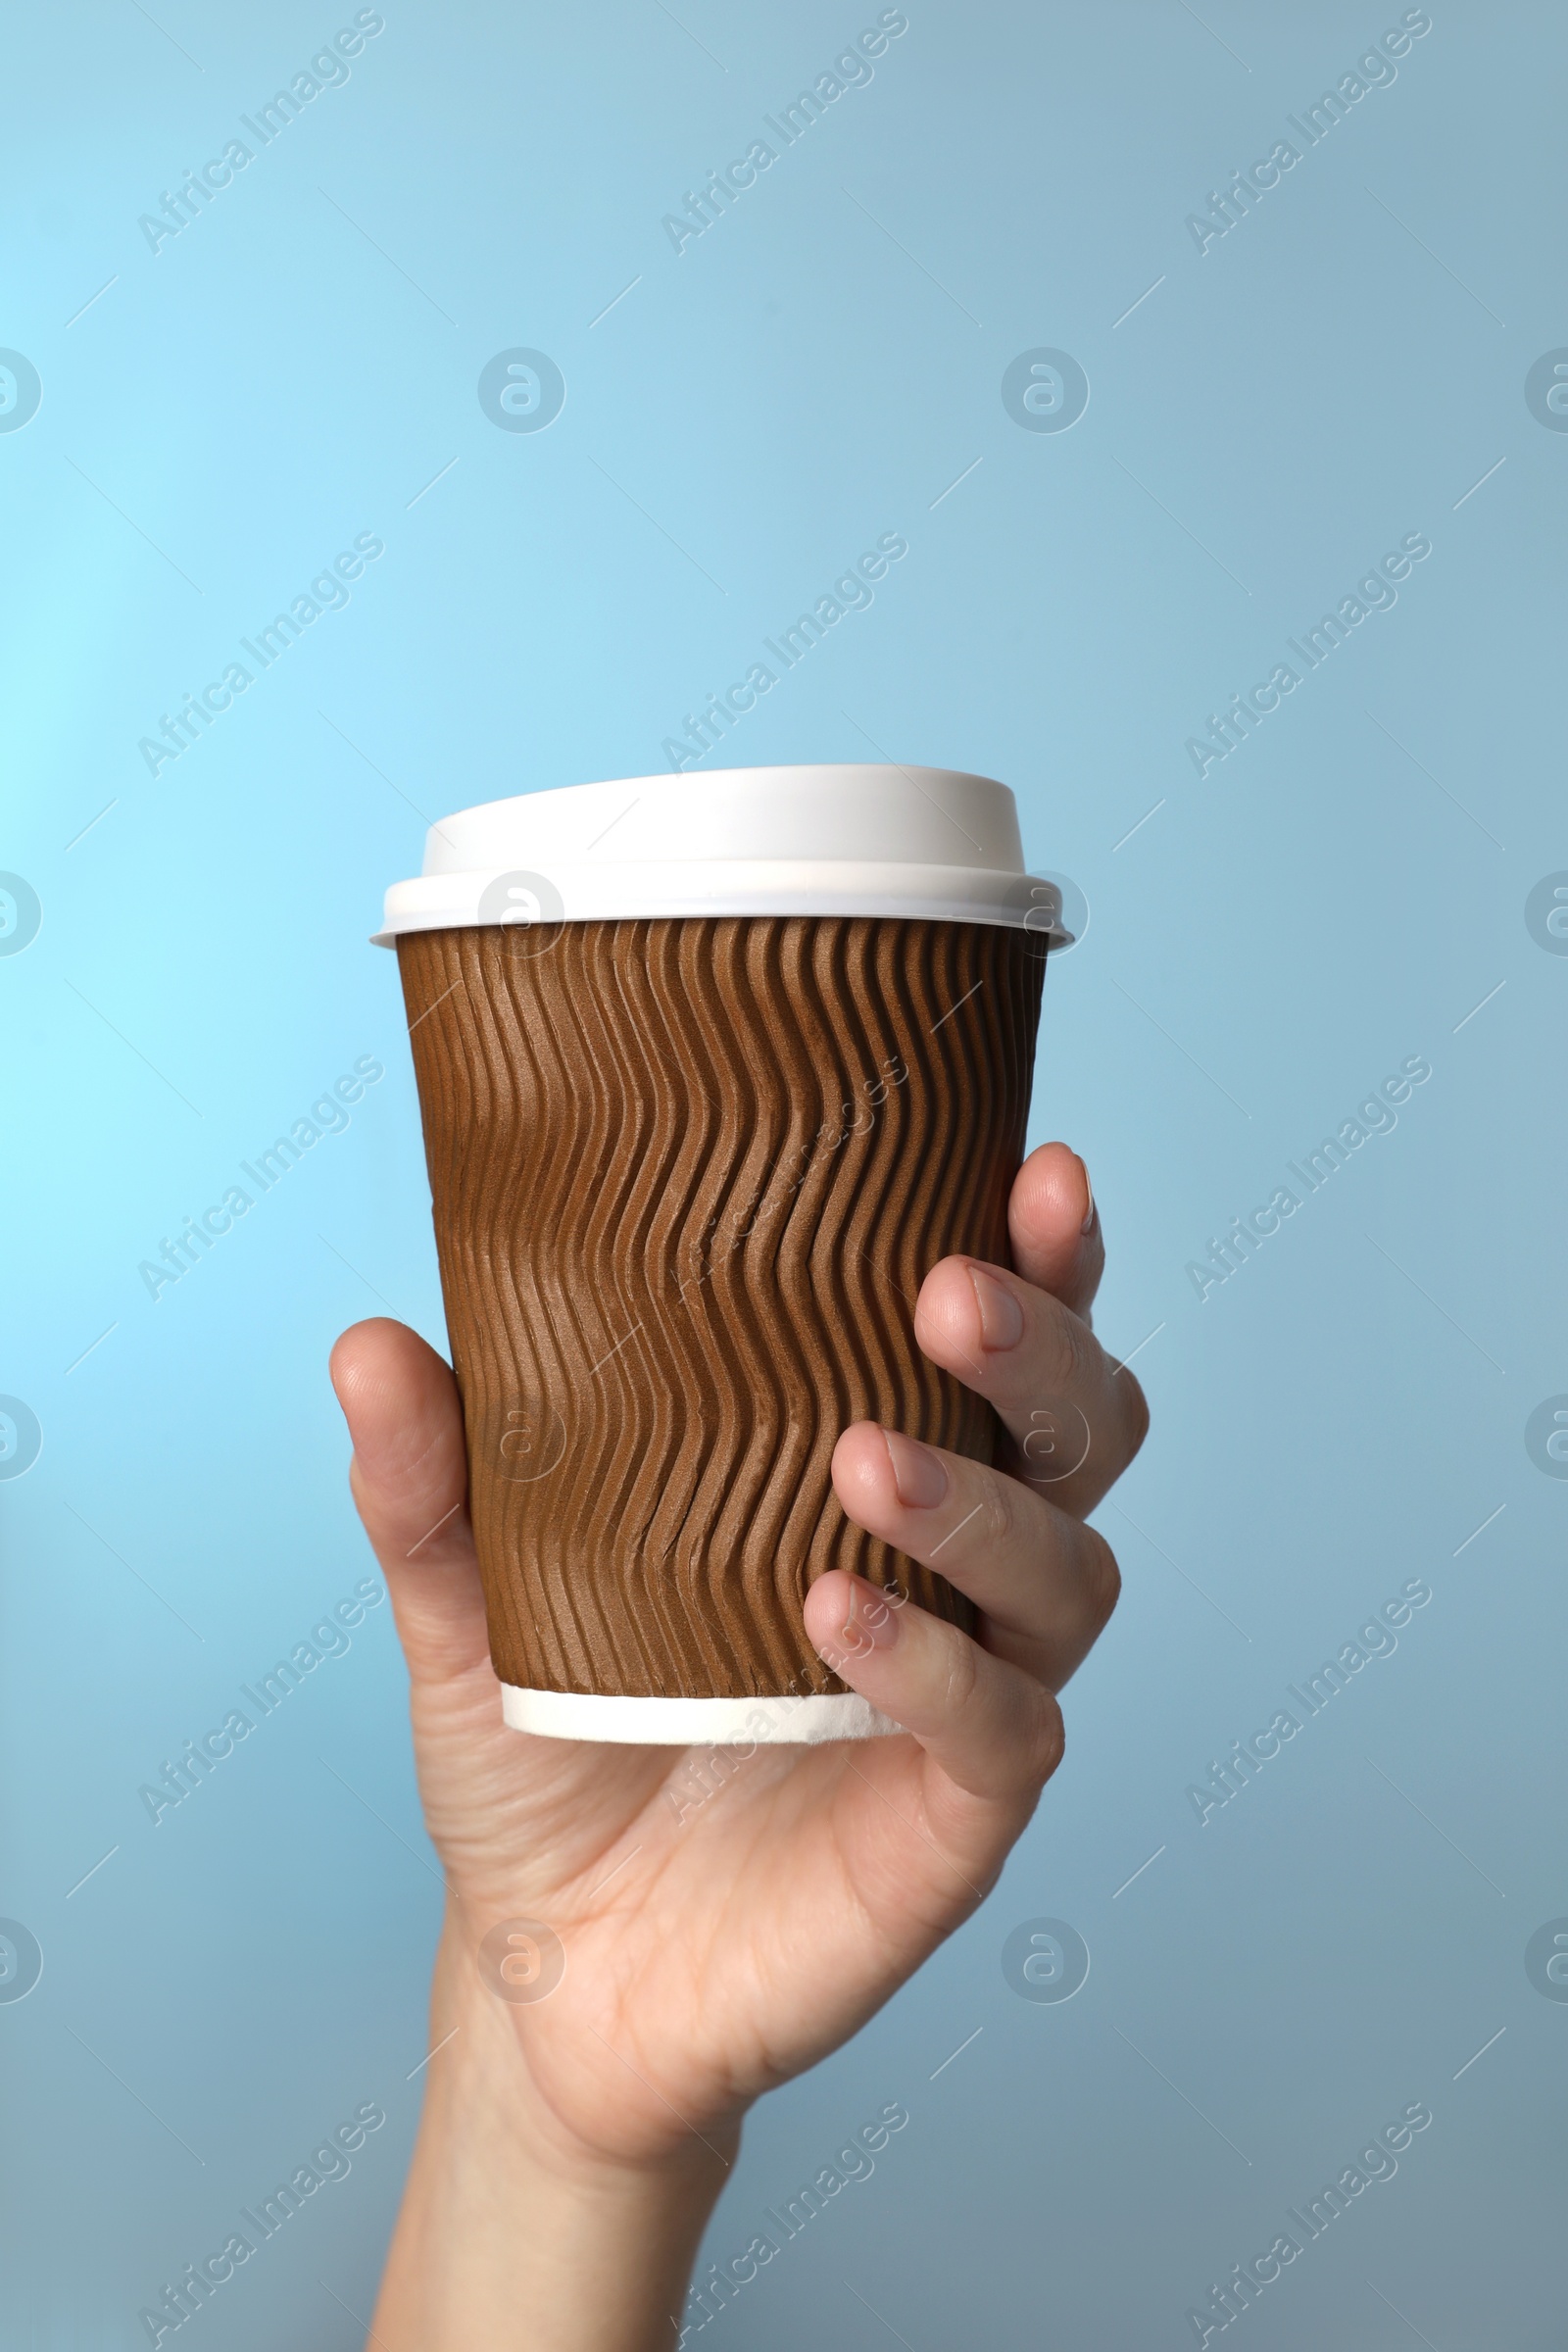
(999, 1517)
(1103, 1578)
(964, 1672)
(1135, 1412)
(1047, 1738)
(1066, 1349)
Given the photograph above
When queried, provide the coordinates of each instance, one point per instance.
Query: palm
(675, 2011)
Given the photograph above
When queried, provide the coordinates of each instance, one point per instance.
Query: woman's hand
(726, 1916)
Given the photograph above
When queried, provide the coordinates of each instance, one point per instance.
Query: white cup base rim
(807, 1721)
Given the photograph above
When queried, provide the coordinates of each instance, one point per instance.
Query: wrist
(517, 2226)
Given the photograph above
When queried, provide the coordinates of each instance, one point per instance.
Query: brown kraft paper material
(687, 1177)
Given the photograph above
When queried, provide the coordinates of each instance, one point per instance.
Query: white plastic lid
(888, 841)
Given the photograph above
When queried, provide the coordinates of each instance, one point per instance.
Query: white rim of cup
(808, 1721)
(697, 888)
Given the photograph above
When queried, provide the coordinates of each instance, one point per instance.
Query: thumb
(409, 1482)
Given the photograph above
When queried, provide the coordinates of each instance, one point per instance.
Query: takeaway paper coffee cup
(713, 1070)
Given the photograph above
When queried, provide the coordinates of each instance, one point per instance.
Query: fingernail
(1088, 1194)
(1000, 1315)
(871, 1622)
(917, 1473)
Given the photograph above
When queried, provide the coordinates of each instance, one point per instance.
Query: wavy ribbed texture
(688, 1177)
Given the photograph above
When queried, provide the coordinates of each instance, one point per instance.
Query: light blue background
(817, 369)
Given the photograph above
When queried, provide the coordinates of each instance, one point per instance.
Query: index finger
(1053, 1226)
